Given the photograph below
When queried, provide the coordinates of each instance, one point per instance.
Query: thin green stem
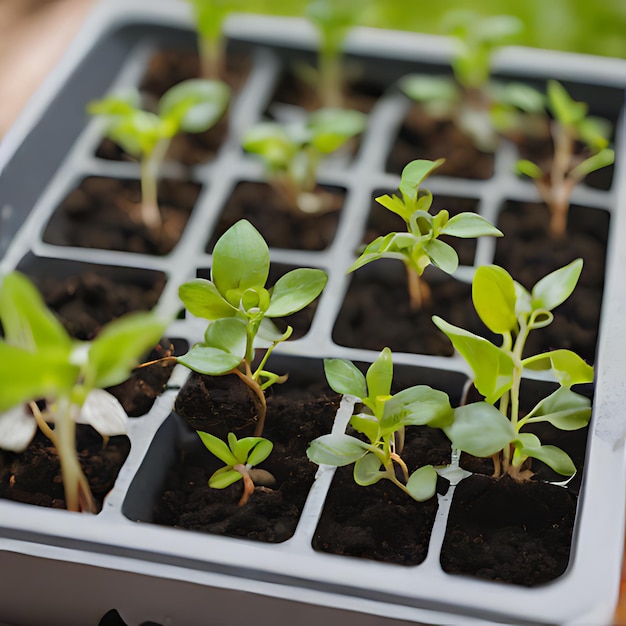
(330, 77)
(150, 166)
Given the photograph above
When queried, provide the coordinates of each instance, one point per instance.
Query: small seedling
(333, 20)
(240, 308)
(40, 361)
(240, 456)
(570, 126)
(209, 16)
(509, 310)
(383, 422)
(478, 106)
(420, 245)
(192, 106)
(292, 153)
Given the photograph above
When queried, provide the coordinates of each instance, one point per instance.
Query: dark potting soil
(104, 213)
(380, 521)
(422, 137)
(294, 418)
(279, 226)
(500, 530)
(376, 312)
(34, 476)
(528, 254)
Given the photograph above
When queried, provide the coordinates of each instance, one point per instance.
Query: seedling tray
(82, 566)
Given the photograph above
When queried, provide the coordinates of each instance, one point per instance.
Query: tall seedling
(193, 106)
(40, 361)
(569, 126)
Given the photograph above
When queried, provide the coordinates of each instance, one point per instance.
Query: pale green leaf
(564, 409)
(528, 168)
(218, 448)
(295, 290)
(366, 424)
(442, 255)
(345, 378)
(556, 287)
(379, 375)
(207, 360)
(469, 225)
(417, 406)
(427, 88)
(494, 297)
(414, 174)
(422, 483)
(336, 449)
(552, 456)
(224, 477)
(480, 429)
(367, 470)
(202, 299)
(604, 158)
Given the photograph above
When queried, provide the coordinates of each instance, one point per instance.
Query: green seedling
(209, 16)
(40, 361)
(479, 107)
(333, 20)
(420, 245)
(292, 153)
(509, 310)
(382, 421)
(570, 126)
(239, 308)
(192, 106)
(239, 456)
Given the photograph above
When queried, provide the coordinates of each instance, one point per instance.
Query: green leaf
(417, 406)
(442, 255)
(528, 168)
(345, 378)
(270, 141)
(331, 128)
(492, 367)
(206, 360)
(567, 111)
(469, 225)
(260, 452)
(552, 456)
(379, 375)
(139, 132)
(367, 470)
(480, 429)
(224, 477)
(241, 259)
(422, 483)
(569, 369)
(295, 290)
(564, 409)
(604, 158)
(119, 347)
(336, 449)
(556, 287)
(414, 174)
(26, 376)
(494, 297)
(218, 448)
(395, 205)
(227, 334)
(195, 105)
(118, 104)
(26, 320)
(250, 450)
(521, 96)
(202, 299)
(426, 88)
(366, 424)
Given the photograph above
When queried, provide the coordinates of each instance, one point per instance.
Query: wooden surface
(33, 35)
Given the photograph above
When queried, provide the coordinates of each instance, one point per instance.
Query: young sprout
(209, 16)
(420, 245)
(40, 361)
(292, 153)
(333, 20)
(477, 105)
(192, 106)
(570, 126)
(509, 310)
(240, 456)
(383, 420)
(240, 308)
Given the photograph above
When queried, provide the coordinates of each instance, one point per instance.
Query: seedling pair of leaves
(421, 244)
(192, 106)
(239, 308)
(512, 312)
(571, 125)
(293, 152)
(39, 360)
(480, 107)
(382, 422)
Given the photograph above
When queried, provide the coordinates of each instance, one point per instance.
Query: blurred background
(34, 33)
